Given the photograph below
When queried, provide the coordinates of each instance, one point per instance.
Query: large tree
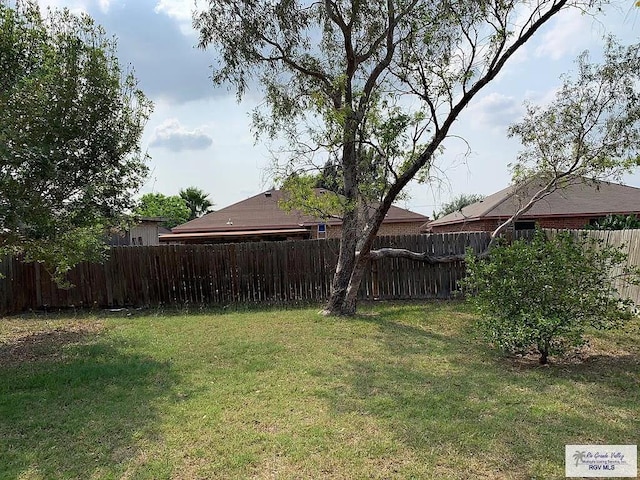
(373, 86)
(70, 124)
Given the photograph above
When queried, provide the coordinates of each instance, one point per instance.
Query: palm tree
(579, 457)
(197, 201)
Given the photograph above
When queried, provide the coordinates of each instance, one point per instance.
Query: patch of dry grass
(25, 341)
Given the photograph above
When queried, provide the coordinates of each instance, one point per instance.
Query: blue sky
(200, 136)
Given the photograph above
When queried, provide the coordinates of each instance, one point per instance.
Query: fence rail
(252, 273)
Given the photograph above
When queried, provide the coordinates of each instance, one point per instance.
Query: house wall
(400, 228)
(570, 223)
(144, 234)
(473, 226)
(564, 223)
(396, 228)
(330, 232)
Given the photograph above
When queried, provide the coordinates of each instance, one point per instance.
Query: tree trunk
(363, 258)
(351, 299)
(544, 357)
(345, 266)
(349, 237)
(544, 353)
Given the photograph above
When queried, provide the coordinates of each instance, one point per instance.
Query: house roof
(580, 198)
(262, 212)
(150, 219)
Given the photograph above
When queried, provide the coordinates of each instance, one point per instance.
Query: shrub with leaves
(544, 294)
(615, 222)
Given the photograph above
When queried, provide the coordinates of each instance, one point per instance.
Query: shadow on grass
(164, 310)
(445, 392)
(75, 403)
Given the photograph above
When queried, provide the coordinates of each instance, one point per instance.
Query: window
(322, 228)
(525, 225)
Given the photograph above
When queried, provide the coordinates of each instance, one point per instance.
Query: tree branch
(420, 257)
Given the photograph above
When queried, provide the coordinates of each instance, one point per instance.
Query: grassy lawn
(401, 391)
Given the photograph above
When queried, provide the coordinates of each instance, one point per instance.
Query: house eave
(528, 216)
(172, 237)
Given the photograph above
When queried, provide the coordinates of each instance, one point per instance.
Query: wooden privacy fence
(242, 273)
(254, 273)
(629, 242)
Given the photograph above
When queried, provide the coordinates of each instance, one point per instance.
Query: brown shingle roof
(579, 198)
(262, 212)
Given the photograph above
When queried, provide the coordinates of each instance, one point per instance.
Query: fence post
(38, 285)
(375, 289)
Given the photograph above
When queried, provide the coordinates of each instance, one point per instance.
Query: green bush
(615, 222)
(544, 293)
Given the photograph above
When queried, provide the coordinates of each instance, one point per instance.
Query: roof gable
(262, 211)
(582, 197)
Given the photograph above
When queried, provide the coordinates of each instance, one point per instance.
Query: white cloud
(495, 111)
(104, 5)
(542, 98)
(567, 36)
(173, 136)
(179, 10)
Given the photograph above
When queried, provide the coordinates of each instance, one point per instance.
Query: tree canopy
(373, 88)
(458, 203)
(590, 131)
(172, 208)
(70, 125)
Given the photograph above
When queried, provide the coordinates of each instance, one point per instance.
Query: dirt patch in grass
(20, 344)
(591, 354)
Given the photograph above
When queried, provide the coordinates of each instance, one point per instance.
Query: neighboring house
(260, 218)
(571, 207)
(146, 232)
